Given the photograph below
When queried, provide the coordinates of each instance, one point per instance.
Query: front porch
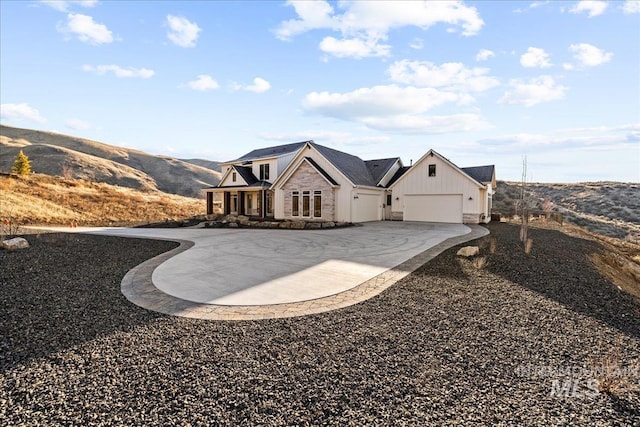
(246, 201)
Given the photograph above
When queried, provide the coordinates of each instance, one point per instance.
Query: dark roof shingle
(481, 174)
(398, 175)
(352, 167)
(278, 150)
(378, 168)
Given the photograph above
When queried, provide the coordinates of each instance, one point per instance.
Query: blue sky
(480, 82)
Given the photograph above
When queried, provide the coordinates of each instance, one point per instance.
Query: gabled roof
(353, 167)
(432, 152)
(482, 174)
(321, 171)
(378, 168)
(267, 152)
(246, 174)
(398, 174)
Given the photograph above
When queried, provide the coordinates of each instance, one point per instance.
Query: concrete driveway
(244, 267)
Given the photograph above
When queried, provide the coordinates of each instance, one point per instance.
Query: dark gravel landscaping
(450, 344)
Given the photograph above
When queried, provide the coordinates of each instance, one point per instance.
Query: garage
(433, 208)
(366, 207)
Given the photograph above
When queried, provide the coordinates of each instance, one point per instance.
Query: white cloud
(592, 7)
(568, 66)
(427, 124)
(584, 138)
(534, 5)
(182, 32)
(376, 101)
(64, 5)
(394, 109)
(417, 43)
(323, 136)
(484, 54)
(119, 72)
(20, 112)
(355, 48)
(363, 25)
(203, 82)
(631, 6)
(77, 124)
(589, 55)
(535, 91)
(535, 58)
(86, 29)
(450, 75)
(259, 85)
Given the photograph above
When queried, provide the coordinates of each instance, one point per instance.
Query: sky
(481, 82)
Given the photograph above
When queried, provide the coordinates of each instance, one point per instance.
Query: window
(234, 203)
(249, 203)
(233, 177)
(317, 204)
(305, 203)
(295, 204)
(388, 199)
(264, 172)
(432, 170)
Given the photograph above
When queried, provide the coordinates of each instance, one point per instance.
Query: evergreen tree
(21, 165)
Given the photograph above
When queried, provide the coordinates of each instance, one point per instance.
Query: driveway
(245, 267)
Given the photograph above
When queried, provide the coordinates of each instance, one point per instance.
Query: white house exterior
(307, 181)
(436, 190)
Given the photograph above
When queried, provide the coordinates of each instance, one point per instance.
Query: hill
(608, 208)
(43, 199)
(62, 155)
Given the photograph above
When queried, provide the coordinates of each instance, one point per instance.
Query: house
(308, 181)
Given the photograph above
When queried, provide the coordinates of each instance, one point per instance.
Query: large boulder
(15, 244)
(468, 251)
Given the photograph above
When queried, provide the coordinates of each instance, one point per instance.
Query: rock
(233, 225)
(15, 244)
(313, 225)
(329, 224)
(297, 225)
(285, 225)
(468, 251)
(243, 220)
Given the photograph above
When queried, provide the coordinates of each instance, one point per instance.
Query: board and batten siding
(448, 180)
(228, 181)
(255, 168)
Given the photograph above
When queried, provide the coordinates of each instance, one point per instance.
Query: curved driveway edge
(137, 287)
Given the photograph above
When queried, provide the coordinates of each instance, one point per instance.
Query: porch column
(241, 203)
(209, 203)
(227, 203)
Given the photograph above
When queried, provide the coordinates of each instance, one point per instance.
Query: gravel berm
(517, 342)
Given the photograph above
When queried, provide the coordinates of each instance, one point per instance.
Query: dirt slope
(164, 173)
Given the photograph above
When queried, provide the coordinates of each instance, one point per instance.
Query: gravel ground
(449, 344)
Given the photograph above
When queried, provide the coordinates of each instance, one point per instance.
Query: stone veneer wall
(471, 218)
(306, 178)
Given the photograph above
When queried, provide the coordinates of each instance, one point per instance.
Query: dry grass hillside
(71, 157)
(608, 208)
(42, 199)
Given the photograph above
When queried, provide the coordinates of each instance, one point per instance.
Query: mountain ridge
(68, 156)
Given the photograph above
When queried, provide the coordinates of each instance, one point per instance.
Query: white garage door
(367, 208)
(433, 208)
